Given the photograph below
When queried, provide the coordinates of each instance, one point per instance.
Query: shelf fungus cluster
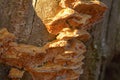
(62, 58)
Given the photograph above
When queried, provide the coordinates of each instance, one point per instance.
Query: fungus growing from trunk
(60, 59)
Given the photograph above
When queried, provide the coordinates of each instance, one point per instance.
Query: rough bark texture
(104, 45)
(22, 17)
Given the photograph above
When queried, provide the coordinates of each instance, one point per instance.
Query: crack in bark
(34, 15)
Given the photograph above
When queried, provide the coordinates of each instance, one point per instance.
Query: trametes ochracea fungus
(62, 58)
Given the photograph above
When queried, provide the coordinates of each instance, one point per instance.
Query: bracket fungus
(76, 14)
(62, 58)
(15, 73)
(56, 59)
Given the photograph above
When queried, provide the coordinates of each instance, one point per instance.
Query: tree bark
(25, 19)
(104, 44)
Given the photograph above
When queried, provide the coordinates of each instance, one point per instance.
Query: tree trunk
(25, 19)
(104, 45)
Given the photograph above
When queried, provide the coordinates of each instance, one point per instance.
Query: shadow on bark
(20, 18)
